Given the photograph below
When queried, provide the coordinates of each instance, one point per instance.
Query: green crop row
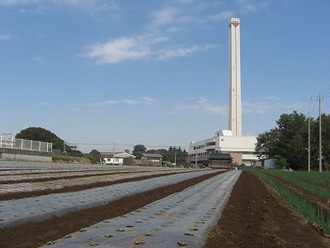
(316, 182)
(313, 213)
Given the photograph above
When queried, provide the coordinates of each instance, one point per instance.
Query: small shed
(220, 160)
(268, 163)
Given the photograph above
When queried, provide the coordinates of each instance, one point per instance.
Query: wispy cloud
(224, 15)
(142, 100)
(182, 51)
(202, 105)
(39, 59)
(165, 16)
(271, 104)
(138, 101)
(17, 2)
(91, 6)
(121, 49)
(5, 37)
(255, 107)
(46, 104)
(138, 48)
(289, 107)
(247, 6)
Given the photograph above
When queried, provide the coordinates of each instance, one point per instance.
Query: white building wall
(225, 142)
(235, 143)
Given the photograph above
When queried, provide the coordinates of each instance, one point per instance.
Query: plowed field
(254, 216)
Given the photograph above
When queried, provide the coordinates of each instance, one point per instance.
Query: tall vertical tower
(235, 106)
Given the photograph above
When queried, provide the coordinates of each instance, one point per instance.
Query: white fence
(23, 144)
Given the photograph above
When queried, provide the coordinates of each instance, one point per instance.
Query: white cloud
(185, 1)
(182, 51)
(271, 104)
(165, 16)
(137, 48)
(39, 59)
(121, 49)
(289, 107)
(203, 106)
(255, 107)
(224, 15)
(17, 2)
(5, 37)
(140, 101)
(252, 5)
(89, 5)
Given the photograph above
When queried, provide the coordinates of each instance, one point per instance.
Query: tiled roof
(152, 155)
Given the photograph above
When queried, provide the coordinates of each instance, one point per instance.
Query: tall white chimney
(235, 105)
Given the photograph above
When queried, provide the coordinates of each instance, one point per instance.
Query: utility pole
(320, 134)
(113, 154)
(309, 143)
(175, 158)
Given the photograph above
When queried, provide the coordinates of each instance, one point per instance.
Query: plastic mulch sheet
(181, 219)
(16, 212)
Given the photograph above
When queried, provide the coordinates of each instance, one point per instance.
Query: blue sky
(156, 72)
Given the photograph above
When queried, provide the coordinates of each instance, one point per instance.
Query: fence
(23, 144)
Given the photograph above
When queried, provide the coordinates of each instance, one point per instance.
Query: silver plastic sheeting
(16, 212)
(182, 219)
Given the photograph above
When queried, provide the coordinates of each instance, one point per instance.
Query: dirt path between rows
(256, 216)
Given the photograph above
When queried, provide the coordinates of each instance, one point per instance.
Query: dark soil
(255, 216)
(37, 234)
(24, 194)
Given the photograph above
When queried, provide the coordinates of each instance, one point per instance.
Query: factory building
(228, 147)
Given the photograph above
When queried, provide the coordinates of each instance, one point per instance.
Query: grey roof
(152, 155)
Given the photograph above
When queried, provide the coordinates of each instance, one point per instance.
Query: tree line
(173, 154)
(288, 141)
(40, 134)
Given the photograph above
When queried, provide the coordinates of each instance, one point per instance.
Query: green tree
(138, 150)
(267, 144)
(129, 161)
(280, 162)
(94, 156)
(41, 134)
(325, 125)
(326, 138)
(287, 140)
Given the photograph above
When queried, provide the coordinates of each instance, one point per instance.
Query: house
(152, 157)
(115, 158)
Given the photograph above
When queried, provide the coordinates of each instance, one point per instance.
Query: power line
(325, 93)
(119, 144)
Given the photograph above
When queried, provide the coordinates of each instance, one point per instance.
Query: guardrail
(23, 144)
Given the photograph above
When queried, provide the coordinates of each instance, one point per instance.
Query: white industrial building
(228, 146)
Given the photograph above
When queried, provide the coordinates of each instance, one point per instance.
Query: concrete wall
(24, 155)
